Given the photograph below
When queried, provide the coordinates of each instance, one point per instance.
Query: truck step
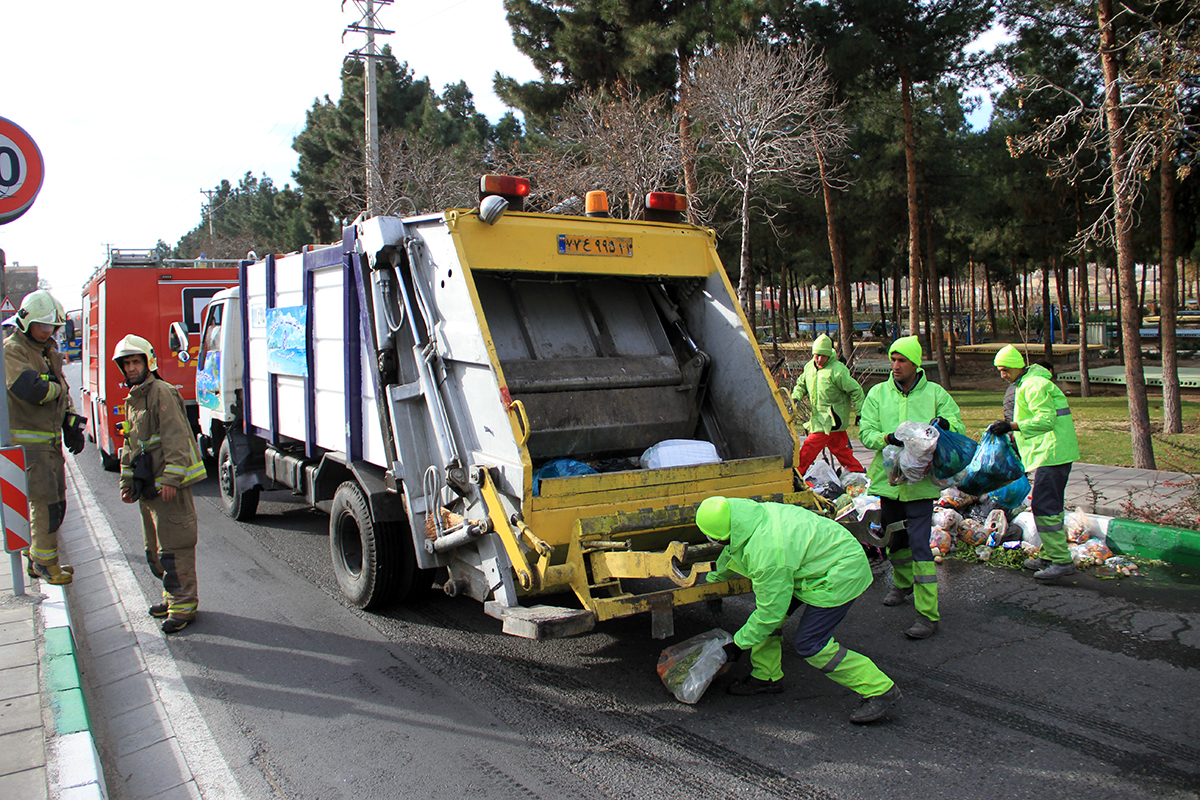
(541, 622)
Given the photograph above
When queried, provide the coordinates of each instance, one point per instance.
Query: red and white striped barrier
(15, 495)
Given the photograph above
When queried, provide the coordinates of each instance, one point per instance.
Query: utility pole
(209, 193)
(369, 25)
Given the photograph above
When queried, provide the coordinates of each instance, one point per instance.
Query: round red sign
(21, 171)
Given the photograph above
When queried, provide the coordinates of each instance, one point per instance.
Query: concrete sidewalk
(150, 736)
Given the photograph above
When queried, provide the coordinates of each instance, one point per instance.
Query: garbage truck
(524, 407)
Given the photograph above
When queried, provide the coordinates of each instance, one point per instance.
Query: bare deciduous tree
(1138, 128)
(627, 146)
(413, 176)
(766, 114)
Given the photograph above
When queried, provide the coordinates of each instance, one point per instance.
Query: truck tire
(373, 560)
(240, 506)
(362, 549)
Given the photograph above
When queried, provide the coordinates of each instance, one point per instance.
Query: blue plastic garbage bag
(1011, 496)
(559, 468)
(953, 454)
(994, 466)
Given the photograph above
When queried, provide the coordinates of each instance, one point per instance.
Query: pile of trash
(984, 503)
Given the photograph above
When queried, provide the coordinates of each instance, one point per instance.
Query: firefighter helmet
(40, 306)
(133, 345)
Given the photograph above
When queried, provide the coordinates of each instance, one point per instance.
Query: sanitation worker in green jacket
(793, 556)
(1045, 436)
(834, 399)
(907, 510)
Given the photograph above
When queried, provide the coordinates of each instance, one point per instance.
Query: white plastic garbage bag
(679, 453)
(687, 668)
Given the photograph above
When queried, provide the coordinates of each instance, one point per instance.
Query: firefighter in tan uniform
(41, 419)
(159, 462)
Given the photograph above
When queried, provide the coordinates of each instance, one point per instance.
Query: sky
(138, 106)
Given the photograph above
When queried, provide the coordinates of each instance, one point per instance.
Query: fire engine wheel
(240, 506)
(373, 560)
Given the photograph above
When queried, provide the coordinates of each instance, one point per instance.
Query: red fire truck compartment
(134, 293)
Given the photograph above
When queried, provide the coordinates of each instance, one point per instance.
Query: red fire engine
(136, 292)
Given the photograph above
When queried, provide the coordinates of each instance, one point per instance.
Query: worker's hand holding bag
(995, 465)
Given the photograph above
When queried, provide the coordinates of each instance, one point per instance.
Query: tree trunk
(1172, 409)
(1085, 381)
(687, 143)
(991, 307)
(1139, 413)
(745, 272)
(914, 242)
(1047, 319)
(841, 276)
(934, 293)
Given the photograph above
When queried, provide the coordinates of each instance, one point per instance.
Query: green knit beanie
(909, 347)
(1009, 357)
(712, 518)
(823, 346)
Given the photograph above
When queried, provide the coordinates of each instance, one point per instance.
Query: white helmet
(40, 306)
(133, 345)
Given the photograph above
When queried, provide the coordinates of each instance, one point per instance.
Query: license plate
(594, 246)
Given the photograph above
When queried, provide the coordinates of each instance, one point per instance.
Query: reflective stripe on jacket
(834, 396)
(788, 551)
(1047, 432)
(885, 408)
(158, 426)
(37, 426)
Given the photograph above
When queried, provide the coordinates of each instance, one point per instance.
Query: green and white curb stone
(74, 770)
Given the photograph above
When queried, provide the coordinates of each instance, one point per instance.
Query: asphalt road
(1087, 689)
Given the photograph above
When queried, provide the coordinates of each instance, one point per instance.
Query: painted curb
(76, 772)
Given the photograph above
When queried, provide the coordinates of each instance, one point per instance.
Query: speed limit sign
(21, 171)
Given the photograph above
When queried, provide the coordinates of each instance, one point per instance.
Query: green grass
(1102, 425)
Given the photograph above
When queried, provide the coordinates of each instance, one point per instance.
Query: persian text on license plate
(594, 246)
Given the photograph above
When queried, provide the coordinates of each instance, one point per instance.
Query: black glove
(941, 422)
(73, 440)
(891, 439)
(732, 652)
(1000, 427)
(49, 377)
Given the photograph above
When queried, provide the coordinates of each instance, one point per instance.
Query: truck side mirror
(69, 330)
(177, 341)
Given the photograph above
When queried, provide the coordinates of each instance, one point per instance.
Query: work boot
(896, 596)
(159, 610)
(1055, 571)
(174, 624)
(33, 573)
(51, 573)
(875, 708)
(751, 685)
(922, 629)
(1036, 563)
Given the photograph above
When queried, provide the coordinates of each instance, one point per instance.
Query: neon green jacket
(885, 408)
(788, 551)
(1047, 432)
(834, 396)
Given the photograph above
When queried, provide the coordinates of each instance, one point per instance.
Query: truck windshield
(212, 332)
